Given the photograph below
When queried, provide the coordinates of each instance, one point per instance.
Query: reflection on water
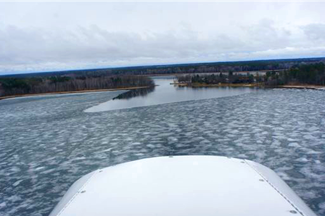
(135, 93)
(164, 93)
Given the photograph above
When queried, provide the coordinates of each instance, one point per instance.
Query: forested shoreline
(189, 68)
(272, 73)
(10, 86)
(309, 74)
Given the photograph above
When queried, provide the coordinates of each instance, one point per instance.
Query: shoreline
(196, 85)
(72, 92)
(260, 85)
(313, 87)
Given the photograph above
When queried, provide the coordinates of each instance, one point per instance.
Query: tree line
(312, 74)
(216, 78)
(191, 68)
(62, 83)
(213, 67)
(298, 72)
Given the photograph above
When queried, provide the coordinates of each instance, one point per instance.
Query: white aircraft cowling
(182, 186)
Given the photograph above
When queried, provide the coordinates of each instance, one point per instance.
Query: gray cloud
(315, 31)
(60, 42)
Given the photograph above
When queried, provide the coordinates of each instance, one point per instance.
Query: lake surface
(164, 93)
(48, 142)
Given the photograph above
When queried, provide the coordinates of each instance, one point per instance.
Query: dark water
(47, 143)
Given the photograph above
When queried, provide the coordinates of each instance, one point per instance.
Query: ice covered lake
(48, 142)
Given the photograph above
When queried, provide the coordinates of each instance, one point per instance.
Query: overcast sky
(56, 36)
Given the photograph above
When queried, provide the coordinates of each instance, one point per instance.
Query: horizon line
(153, 65)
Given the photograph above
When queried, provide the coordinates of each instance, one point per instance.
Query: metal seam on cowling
(76, 194)
(276, 189)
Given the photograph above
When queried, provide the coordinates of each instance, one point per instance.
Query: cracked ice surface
(47, 143)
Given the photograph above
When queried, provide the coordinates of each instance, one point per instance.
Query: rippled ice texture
(47, 143)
